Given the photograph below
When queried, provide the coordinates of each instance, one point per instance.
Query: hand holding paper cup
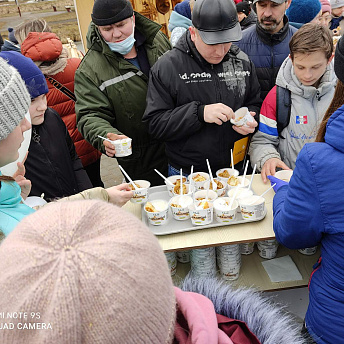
(241, 117)
(118, 145)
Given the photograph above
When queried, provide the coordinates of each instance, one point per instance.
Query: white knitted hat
(89, 271)
(14, 99)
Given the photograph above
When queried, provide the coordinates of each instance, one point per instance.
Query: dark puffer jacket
(267, 52)
(181, 83)
(52, 164)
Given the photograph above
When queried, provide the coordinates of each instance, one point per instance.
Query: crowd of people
(96, 274)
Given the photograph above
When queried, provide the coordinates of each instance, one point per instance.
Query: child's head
(92, 271)
(337, 7)
(14, 104)
(35, 83)
(325, 13)
(311, 50)
(303, 11)
(35, 25)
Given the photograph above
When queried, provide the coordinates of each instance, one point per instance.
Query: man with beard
(267, 42)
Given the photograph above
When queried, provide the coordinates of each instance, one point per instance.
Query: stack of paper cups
(183, 256)
(247, 248)
(229, 261)
(172, 262)
(267, 248)
(308, 251)
(203, 262)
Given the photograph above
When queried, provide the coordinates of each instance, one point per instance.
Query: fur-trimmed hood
(267, 320)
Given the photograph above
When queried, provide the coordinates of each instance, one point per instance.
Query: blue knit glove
(279, 182)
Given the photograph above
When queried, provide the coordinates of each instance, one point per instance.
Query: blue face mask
(123, 47)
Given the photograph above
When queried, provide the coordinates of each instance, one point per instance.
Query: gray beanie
(14, 99)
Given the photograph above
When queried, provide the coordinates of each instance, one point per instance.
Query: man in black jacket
(267, 42)
(194, 90)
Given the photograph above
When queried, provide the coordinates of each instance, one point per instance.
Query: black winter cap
(339, 60)
(107, 12)
(216, 21)
(243, 7)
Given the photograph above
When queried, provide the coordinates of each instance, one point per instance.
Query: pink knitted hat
(84, 272)
(325, 6)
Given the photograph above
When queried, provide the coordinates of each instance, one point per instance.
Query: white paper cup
(268, 253)
(247, 248)
(177, 188)
(199, 185)
(35, 201)
(173, 180)
(242, 116)
(252, 207)
(201, 217)
(202, 194)
(181, 212)
(183, 256)
(228, 276)
(239, 180)
(141, 194)
(308, 251)
(219, 191)
(284, 175)
(172, 262)
(223, 213)
(158, 217)
(122, 147)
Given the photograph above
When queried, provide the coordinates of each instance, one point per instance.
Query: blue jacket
(311, 211)
(267, 52)
(12, 211)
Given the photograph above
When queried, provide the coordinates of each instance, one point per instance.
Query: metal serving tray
(175, 226)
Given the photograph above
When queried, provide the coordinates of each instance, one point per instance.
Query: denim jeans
(174, 172)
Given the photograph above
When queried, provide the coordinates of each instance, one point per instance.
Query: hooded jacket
(52, 164)
(111, 98)
(181, 83)
(43, 47)
(308, 107)
(310, 211)
(178, 24)
(249, 21)
(267, 52)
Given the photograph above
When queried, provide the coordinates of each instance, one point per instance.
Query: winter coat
(310, 211)
(46, 46)
(249, 21)
(111, 98)
(338, 24)
(178, 24)
(52, 164)
(181, 83)
(10, 46)
(12, 210)
(267, 52)
(308, 108)
(266, 320)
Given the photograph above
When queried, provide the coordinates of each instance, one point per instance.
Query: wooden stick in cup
(254, 171)
(125, 173)
(162, 176)
(244, 176)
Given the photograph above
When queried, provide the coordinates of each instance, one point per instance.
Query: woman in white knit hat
(14, 104)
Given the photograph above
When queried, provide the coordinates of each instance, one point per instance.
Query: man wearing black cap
(195, 88)
(111, 85)
(246, 16)
(267, 42)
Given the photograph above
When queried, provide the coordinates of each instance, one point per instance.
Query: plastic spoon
(181, 182)
(232, 160)
(162, 176)
(191, 179)
(214, 185)
(263, 193)
(106, 139)
(244, 176)
(233, 198)
(125, 173)
(254, 171)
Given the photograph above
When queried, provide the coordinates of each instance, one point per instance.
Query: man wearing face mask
(111, 85)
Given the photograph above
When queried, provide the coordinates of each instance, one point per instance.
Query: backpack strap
(62, 88)
(283, 108)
